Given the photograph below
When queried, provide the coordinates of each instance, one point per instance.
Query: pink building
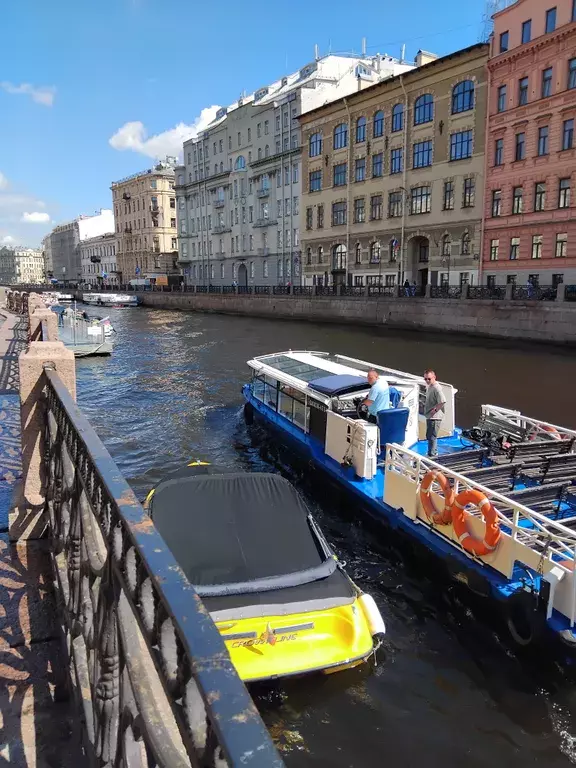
(530, 213)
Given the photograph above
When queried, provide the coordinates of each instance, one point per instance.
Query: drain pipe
(485, 179)
(348, 175)
(401, 270)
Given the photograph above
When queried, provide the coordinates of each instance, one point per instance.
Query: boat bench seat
(497, 477)
(502, 428)
(464, 460)
(557, 467)
(541, 498)
(536, 449)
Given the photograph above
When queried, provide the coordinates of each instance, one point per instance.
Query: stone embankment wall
(552, 322)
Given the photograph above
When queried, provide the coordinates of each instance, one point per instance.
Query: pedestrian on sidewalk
(434, 410)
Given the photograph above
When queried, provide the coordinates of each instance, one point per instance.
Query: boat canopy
(338, 384)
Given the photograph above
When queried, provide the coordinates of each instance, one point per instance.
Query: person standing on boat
(379, 396)
(434, 409)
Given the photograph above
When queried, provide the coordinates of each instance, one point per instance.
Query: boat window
(258, 387)
(285, 401)
(292, 367)
(292, 405)
(271, 392)
(300, 412)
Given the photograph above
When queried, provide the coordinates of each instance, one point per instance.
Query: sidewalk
(37, 720)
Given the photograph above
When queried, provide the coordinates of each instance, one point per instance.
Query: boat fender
(373, 615)
(248, 414)
(524, 621)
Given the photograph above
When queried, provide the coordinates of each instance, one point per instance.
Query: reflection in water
(447, 690)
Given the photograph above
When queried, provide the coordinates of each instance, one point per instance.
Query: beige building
(393, 177)
(98, 259)
(145, 225)
(30, 267)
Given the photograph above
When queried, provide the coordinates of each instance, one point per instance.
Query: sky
(95, 90)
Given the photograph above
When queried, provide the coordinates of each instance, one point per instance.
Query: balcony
(221, 228)
(264, 222)
(263, 192)
(218, 203)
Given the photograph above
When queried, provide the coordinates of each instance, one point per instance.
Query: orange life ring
(488, 544)
(445, 516)
(545, 428)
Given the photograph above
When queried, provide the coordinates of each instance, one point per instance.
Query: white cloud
(35, 218)
(133, 136)
(3, 181)
(41, 95)
(7, 239)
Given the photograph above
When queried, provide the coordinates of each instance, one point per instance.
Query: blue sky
(74, 73)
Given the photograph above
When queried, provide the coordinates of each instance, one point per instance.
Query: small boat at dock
(497, 506)
(110, 299)
(282, 601)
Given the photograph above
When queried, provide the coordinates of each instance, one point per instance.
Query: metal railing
(445, 292)
(535, 293)
(569, 293)
(149, 668)
(486, 292)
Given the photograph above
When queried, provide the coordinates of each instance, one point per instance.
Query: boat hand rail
(403, 374)
(553, 537)
(526, 422)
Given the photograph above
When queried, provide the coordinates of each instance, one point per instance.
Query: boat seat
(465, 459)
(502, 428)
(543, 449)
(392, 423)
(498, 476)
(541, 498)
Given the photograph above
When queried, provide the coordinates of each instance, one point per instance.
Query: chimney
(364, 47)
(424, 57)
(316, 52)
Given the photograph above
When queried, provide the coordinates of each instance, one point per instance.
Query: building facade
(30, 266)
(61, 247)
(98, 259)
(238, 192)
(394, 178)
(7, 266)
(145, 225)
(530, 228)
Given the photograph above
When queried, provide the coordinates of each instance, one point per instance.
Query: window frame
(526, 26)
(571, 74)
(551, 14)
(420, 200)
(494, 249)
(568, 132)
(339, 174)
(565, 193)
(502, 98)
(461, 139)
(517, 209)
(547, 82)
(359, 210)
(448, 196)
(514, 252)
(498, 152)
(422, 154)
(463, 97)
(537, 244)
(520, 144)
(523, 90)
(543, 140)
(378, 124)
(360, 164)
(339, 211)
(561, 239)
(377, 159)
(504, 41)
(496, 206)
(317, 178)
(539, 196)
(397, 118)
(360, 130)
(340, 136)
(424, 109)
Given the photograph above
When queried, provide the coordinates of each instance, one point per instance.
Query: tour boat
(498, 504)
(256, 557)
(110, 299)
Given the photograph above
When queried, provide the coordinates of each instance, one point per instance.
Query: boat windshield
(295, 368)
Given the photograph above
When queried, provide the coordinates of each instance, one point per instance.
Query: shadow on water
(447, 689)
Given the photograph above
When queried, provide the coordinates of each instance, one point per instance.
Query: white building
(238, 192)
(29, 265)
(98, 259)
(63, 243)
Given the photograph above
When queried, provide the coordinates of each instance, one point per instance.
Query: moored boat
(110, 299)
(256, 557)
(498, 505)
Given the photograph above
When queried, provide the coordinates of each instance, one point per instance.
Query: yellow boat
(283, 603)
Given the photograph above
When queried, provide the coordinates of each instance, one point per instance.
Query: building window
(338, 214)
(375, 252)
(517, 200)
(359, 211)
(561, 246)
(315, 181)
(309, 217)
(502, 98)
(360, 130)
(315, 145)
(568, 133)
(572, 74)
(523, 91)
(494, 249)
(398, 117)
(496, 202)
(320, 255)
(526, 31)
(340, 175)
(320, 217)
(463, 97)
(448, 201)
(499, 152)
(537, 247)
(377, 165)
(424, 109)
(520, 153)
(396, 160)
(360, 169)
(422, 154)
(564, 193)
(539, 196)
(339, 258)
(378, 124)
(420, 200)
(504, 41)
(469, 195)
(446, 247)
(514, 248)
(543, 140)
(395, 204)
(547, 82)
(461, 145)
(341, 136)
(465, 246)
(375, 207)
(550, 20)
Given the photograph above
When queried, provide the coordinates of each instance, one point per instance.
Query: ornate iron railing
(150, 669)
(486, 292)
(262, 290)
(352, 290)
(570, 293)
(303, 290)
(382, 290)
(535, 293)
(326, 290)
(445, 291)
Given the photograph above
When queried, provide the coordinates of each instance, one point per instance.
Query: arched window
(341, 136)
(378, 127)
(280, 268)
(398, 118)
(320, 255)
(424, 109)
(315, 145)
(259, 153)
(266, 151)
(465, 250)
(393, 250)
(446, 246)
(339, 258)
(358, 253)
(375, 253)
(221, 167)
(308, 256)
(360, 130)
(288, 267)
(240, 163)
(463, 97)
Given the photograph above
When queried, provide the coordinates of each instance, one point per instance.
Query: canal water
(448, 690)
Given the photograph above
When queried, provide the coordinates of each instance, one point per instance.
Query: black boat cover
(239, 533)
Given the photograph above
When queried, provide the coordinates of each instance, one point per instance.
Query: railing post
(509, 291)
(428, 291)
(26, 518)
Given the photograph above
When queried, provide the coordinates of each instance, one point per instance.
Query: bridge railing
(149, 669)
